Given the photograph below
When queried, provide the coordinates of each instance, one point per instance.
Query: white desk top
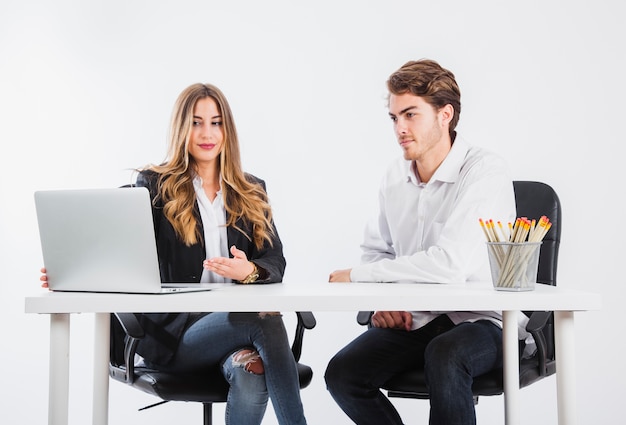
(323, 296)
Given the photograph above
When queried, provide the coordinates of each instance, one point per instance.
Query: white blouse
(213, 216)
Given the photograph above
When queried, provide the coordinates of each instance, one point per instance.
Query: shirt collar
(197, 184)
(449, 170)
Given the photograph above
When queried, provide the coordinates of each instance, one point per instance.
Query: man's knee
(332, 370)
(340, 372)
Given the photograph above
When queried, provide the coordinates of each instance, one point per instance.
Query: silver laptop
(101, 240)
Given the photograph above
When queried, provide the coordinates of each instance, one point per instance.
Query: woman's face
(207, 133)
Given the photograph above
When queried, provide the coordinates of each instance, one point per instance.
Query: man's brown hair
(429, 80)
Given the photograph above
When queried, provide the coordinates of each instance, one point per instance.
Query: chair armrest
(133, 333)
(306, 320)
(537, 326)
(130, 325)
(364, 317)
(537, 321)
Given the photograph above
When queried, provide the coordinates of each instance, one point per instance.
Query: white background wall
(86, 89)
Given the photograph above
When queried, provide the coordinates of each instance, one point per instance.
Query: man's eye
(394, 119)
(410, 114)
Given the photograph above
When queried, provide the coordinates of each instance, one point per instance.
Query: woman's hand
(44, 278)
(236, 268)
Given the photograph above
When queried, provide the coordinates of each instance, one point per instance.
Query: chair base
(208, 413)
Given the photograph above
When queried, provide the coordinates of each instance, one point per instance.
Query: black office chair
(207, 388)
(533, 199)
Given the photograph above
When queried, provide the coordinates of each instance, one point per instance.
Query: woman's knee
(241, 370)
(249, 359)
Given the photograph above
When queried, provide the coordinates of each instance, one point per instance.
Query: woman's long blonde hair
(242, 199)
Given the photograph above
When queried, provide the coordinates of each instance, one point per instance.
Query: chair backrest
(534, 199)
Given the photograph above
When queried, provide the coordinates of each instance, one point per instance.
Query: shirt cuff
(361, 273)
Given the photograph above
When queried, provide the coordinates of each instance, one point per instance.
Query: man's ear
(446, 113)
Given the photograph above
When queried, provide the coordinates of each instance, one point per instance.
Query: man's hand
(392, 320)
(340, 276)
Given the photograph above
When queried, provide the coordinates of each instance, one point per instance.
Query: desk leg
(101, 369)
(59, 375)
(565, 363)
(511, 367)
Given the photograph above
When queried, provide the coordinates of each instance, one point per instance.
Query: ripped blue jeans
(216, 337)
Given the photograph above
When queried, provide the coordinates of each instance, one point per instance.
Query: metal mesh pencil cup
(514, 265)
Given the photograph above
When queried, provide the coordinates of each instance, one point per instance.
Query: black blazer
(180, 263)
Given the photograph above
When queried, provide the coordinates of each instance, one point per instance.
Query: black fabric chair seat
(207, 387)
(210, 386)
(412, 384)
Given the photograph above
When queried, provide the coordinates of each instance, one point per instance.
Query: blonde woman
(213, 223)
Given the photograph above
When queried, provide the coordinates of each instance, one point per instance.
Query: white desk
(321, 296)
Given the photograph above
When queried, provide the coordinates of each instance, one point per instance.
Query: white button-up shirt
(429, 232)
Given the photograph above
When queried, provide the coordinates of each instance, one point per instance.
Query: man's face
(421, 130)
